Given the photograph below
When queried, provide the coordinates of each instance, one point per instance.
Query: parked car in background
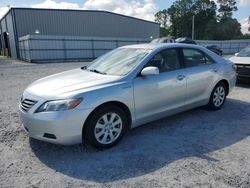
(242, 61)
(185, 40)
(125, 88)
(163, 40)
(215, 49)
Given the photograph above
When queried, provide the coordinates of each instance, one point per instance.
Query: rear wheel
(218, 97)
(105, 127)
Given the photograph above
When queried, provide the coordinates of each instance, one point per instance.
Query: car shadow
(148, 148)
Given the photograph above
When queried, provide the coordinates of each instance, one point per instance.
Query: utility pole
(193, 27)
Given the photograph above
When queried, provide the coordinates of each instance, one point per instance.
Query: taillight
(234, 67)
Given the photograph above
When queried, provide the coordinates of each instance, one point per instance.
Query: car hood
(69, 82)
(240, 60)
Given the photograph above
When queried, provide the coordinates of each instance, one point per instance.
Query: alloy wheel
(108, 128)
(219, 96)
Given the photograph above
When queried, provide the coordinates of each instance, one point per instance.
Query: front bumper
(243, 72)
(243, 77)
(66, 126)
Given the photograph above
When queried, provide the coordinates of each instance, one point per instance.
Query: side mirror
(150, 71)
(236, 54)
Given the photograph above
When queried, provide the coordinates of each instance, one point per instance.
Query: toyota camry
(123, 89)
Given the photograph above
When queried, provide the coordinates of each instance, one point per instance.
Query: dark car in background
(163, 40)
(215, 49)
(185, 40)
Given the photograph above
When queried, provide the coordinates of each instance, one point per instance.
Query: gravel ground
(192, 149)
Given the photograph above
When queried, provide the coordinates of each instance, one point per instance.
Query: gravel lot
(193, 149)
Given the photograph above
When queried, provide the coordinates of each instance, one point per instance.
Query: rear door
(201, 73)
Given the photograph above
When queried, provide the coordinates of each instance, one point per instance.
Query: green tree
(161, 17)
(226, 8)
(211, 28)
(181, 12)
(228, 28)
(164, 32)
(207, 25)
(205, 14)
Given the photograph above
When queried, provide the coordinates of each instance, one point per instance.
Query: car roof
(153, 46)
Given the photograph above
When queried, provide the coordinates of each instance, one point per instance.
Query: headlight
(59, 105)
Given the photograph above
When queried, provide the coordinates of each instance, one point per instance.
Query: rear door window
(194, 58)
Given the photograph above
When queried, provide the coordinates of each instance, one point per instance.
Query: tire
(105, 127)
(218, 97)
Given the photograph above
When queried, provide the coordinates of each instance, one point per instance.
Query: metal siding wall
(1, 38)
(4, 29)
(3, 26)
(38, 48)
(46, 44)
(27, 52)
(104, 44)
(82, 23)
(12, 40)
(46, 55)
(21, 49)
(76, 44)
(123, 43)
(79, 54)
(98, 53)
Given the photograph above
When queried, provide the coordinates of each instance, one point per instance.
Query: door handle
(180, 77)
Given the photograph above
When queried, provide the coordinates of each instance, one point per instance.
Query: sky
(144, 9)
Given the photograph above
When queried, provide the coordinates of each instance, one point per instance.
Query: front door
(156, 95)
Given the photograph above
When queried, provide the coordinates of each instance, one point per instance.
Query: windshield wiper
(83, 68)
(92, 70)
(96, 71)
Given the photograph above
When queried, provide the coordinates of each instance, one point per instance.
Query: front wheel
(105, 127)
(218, 97)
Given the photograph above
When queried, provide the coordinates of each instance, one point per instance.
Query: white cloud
(3, 10)
(244, 2)
(245, 24)
(135, 8)
(52, 4)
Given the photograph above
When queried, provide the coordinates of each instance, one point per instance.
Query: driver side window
(166, 60)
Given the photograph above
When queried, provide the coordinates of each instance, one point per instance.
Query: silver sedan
(123, 89)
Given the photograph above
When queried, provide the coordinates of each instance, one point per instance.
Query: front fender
(121, 92)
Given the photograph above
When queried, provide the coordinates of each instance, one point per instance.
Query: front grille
(243, 69)
(26, 104)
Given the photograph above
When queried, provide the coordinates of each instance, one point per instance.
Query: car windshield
(118, 62)
(244, 53)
